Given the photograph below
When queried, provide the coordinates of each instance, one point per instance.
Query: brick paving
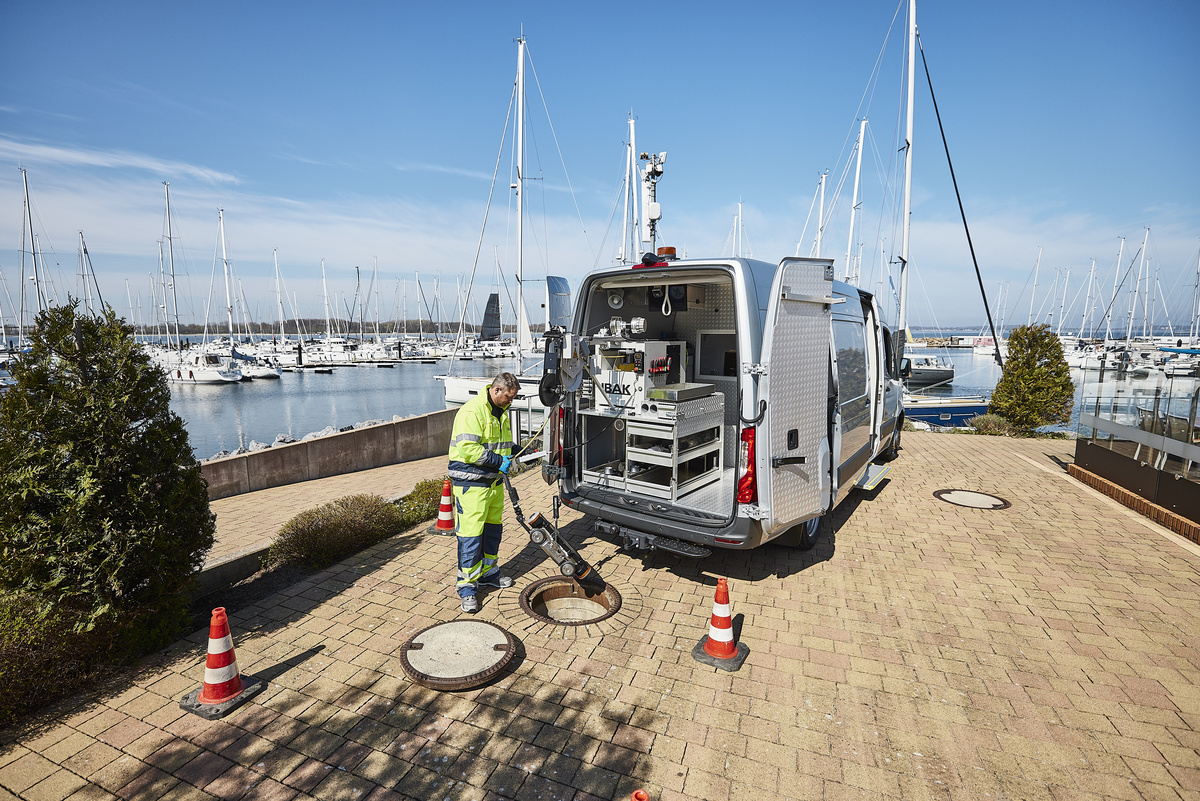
(920, 651)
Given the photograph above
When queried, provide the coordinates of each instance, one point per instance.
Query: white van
(720, 403)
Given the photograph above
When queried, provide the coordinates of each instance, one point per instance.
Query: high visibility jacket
(477, 443)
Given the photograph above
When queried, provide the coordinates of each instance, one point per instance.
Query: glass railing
(1148, 414)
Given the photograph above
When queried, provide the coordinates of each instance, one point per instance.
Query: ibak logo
(617, 389)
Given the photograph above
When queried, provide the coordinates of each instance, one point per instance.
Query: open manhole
(561, 601)
(971, 499)
(457, 654)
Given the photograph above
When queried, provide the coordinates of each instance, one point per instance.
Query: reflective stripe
(221, 675)
(220, 646)
(496, 446)
(720, 635)
(721, 610)
(467, 438)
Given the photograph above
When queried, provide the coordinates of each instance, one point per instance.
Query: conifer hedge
(1036, 388)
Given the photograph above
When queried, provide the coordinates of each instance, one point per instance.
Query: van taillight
(747, 485)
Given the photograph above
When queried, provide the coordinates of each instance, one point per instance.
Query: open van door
(795, 424)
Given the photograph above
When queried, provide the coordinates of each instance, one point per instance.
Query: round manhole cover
(563, 602)
(457, 654)
(971, 499)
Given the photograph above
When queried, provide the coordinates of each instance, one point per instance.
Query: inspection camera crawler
(546, 536)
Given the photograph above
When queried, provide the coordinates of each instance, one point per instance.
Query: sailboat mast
(171, 264)
(278, 294)
(908, 145)
(1116, 277)
(1063, 301)
(325, 292)
(1033, 295)
(522, 323)
(851, 273)
(821, 214)
(1134, 296)
(225, 265)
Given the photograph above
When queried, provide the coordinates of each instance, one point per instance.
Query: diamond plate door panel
(796, 387)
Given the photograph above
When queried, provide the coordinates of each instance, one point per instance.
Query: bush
(1036, 388)
(320, 536)
(106, 513)
(992, 424)
(43, 659)
(422, 503)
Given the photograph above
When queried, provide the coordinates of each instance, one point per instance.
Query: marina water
(224, 417)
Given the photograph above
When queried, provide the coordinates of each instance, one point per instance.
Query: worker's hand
(505, 463)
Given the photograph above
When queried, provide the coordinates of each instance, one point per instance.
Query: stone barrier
(418, 437)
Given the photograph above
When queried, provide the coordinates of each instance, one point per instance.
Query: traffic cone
(446, 523)
(223, 689)
(718, 647)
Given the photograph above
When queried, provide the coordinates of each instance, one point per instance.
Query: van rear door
(795, 425)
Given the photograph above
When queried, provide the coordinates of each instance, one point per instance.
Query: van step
(872, 476)
(678, 546)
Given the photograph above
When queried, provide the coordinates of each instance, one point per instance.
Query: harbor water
(225, 417)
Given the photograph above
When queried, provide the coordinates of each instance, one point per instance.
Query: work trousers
(480, 510)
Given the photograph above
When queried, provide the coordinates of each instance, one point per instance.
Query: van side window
(849, 340)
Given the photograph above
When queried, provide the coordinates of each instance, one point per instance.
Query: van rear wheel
(893, 448)
(803, 536)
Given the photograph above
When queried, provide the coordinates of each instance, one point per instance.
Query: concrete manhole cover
(457, 654)
(971, 499)
(563, 602)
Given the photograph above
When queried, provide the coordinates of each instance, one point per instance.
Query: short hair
(507, 382)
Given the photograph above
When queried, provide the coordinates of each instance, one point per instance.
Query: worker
(481, 447)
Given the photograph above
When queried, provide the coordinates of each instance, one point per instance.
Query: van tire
(803, 536)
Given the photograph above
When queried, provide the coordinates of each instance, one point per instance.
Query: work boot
(494, 579)
(470, 603)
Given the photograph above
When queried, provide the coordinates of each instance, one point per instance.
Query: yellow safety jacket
(477, 442)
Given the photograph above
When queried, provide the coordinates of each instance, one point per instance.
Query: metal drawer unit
(675, 450)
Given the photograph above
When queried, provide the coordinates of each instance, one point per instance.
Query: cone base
(731, 664)
(191, 702)
(448, 532)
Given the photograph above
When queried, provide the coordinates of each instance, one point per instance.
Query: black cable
(978, 275)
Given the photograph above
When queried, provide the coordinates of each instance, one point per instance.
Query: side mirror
(905, 368)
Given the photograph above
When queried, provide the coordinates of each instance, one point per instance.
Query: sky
(368, 134)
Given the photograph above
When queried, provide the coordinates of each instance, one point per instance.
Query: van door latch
(750, 368)
(780, 461)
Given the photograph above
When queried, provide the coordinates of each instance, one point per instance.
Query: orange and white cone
(223, 688)
(718, 648)
(445, 519)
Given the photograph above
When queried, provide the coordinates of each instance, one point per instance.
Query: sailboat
(939, 411)
(527, 407)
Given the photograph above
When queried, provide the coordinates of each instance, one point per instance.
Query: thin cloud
(82, 157)
(439, 168)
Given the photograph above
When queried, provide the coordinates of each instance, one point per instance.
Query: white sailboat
(527, 408)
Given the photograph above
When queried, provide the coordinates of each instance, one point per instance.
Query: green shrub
(105, 513)
(422, 503)
(43, 659)
(1036, 388)
(320, 536)
(992, 424)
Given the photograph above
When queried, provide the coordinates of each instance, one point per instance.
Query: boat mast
(1033, 295)
(1063, 301)
(225, 263)
(1137, 291)
(325, 292)
(171, 263)
(1116, 276)
(1192, 329)
(629, 238)
(852, 273)
(278, 295)
(821, 214)
(1089, 308)
(908, 144)
(522, 322)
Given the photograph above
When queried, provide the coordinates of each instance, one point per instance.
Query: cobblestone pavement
(922, 650)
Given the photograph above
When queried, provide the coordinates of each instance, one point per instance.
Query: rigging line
(554, 135)
(479, 245)
(962, 211)
(1120, 286)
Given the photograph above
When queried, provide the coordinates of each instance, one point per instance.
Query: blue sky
(370, 131)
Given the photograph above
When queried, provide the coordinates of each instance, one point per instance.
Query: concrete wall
(347, 452)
